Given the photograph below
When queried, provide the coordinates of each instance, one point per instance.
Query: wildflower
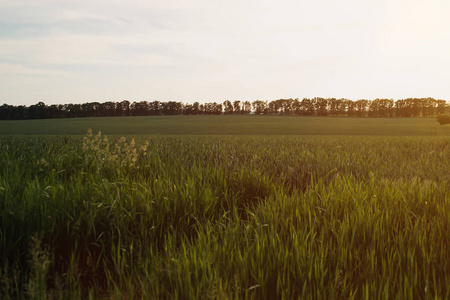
(102, 151)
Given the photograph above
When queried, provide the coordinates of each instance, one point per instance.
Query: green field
(229, 125)
(260, 216)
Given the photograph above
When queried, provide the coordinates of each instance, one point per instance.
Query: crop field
(229, 125)
(224, 217)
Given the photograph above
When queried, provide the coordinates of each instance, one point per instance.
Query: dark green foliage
(228, 125)
(317, 106)
(443, 119)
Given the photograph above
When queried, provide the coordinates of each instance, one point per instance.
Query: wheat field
(224, 217)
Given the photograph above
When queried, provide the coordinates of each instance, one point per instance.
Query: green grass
(228, 217)
(230, 125)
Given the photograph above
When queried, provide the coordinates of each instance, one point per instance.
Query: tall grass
(224, 217)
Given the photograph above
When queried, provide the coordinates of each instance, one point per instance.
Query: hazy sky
(207, 50)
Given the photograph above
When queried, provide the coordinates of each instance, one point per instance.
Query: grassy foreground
(225, 217)
(229, 125)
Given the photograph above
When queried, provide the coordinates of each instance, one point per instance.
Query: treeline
(411, 107)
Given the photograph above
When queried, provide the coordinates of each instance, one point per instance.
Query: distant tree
(373, 108)
(5, 111)
(37, 111)
(208, 108)
(443, 119)
(201, 109)
(286, 106)
(19, 113)
(259, 106)
(188, 109)
(72, 110)
(165, 108)
(174, 108)
(89, 109)
(380, 108)
(196, 108)
(219, 109)
(321, 106)
(53, 112)
(361, 107)
(274, 107)
(155, 108)
(139, 108)
(237, 106)
(387, 107)
(108, 109)
(228, 107)
(307, 107)
(333, 105)
(297, 107)
(410, 107)
(213, 108)
(429, 107)
(416, 107)
(123, 108)
(350, 107)
(246, 108)
(441, 107)
(400, 108)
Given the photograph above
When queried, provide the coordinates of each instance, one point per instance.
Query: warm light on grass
(224, 217)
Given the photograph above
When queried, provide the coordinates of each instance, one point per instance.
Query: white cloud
(202, 49)
(17, 69)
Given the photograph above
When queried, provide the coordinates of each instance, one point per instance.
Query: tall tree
(37, 111)
(333, 106)
(321, 106)
(259, 106)
(228, 107)
(123, 108)
(237, 106)
(246, 108)
(441, 107)
(361, 107)
(155, 108)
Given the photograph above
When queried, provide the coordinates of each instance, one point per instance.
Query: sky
(81, 51)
